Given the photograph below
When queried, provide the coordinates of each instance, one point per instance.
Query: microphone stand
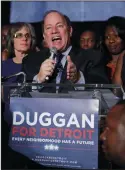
(4, 79)
(23, 87)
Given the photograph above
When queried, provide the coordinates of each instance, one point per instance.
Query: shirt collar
(65, 54)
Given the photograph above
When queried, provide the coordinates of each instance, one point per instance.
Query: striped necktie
(59, 68)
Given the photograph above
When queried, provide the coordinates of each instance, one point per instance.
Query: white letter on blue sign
(34, 122)
(15, 121)
(61, 121)
(73, 121)
(86, 119)
(48, 120)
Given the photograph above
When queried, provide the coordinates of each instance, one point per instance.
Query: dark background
(5, 12)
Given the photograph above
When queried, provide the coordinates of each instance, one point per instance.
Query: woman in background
(21, 40)
(114, 40)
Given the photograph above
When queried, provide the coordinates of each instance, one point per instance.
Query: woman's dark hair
(119, 23)
(14, 28)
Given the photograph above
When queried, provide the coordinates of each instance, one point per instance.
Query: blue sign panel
(56, 132)
(34, 11)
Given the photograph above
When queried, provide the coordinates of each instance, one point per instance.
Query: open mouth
(56, 39)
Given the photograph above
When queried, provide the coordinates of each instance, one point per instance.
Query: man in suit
(57, 32)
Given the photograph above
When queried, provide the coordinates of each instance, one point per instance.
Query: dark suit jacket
(90, 62)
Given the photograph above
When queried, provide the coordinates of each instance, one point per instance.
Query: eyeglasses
(20, 35)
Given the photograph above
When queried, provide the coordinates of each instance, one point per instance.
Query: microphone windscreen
(53, 50)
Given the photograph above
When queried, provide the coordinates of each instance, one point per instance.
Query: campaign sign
(56, 132)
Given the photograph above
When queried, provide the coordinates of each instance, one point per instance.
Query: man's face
(56, 32)
(87, 40)
(112, 41)
(113, 136)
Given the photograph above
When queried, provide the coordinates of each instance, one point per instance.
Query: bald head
(117, 112)
(113, 136)
(121, 127)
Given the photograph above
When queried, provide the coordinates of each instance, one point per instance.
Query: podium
(58, 130)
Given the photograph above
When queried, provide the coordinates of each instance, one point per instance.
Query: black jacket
(90, 62)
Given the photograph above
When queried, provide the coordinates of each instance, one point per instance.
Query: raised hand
(72, 73)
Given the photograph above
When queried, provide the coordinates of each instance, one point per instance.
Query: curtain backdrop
(77, 11)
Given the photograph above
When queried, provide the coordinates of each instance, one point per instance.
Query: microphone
(3, 79)
(53, 52)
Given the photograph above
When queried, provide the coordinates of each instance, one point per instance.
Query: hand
(72, 73)
(46, 69)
